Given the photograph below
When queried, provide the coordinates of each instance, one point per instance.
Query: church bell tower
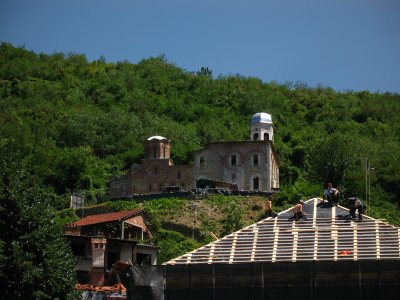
(262, 127)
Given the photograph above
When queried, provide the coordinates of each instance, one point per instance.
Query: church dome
(157, 137)
(261, 118)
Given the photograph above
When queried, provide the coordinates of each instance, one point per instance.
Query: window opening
(256, 183)
(202, 161)
(255, 159)
(233, 160)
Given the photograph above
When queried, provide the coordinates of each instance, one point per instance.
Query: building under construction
(327, 256)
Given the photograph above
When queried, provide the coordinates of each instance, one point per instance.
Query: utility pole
(194, 210)
(368, 170)
(369, 183)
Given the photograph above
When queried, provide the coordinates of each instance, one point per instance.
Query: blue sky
(343, 44)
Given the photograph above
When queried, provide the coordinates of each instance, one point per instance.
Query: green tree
(173, 244)
(204, 71)
(330, 159)
(56, 104)
(36, 262)
(233, 220)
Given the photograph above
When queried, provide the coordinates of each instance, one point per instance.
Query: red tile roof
(105, 218)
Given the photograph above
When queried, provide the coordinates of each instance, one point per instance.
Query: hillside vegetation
(73, 124)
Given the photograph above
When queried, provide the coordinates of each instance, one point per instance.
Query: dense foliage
(35, 260)
(77, 123)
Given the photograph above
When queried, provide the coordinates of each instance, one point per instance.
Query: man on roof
(298, 212)
(331, 194)
(269, 212)
(355, 204)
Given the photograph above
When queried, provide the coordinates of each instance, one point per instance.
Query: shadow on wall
(369, 279)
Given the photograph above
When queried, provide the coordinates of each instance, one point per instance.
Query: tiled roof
(104, 218)
(326, 235)
(87, 237)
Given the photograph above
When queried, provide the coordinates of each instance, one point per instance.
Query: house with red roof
(99, 241)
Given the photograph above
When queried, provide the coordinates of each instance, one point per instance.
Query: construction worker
(331, 195)
(355, 204)
(269, 212)
(298, 212)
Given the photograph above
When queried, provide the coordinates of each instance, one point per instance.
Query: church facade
(155, 173)
(251, 165)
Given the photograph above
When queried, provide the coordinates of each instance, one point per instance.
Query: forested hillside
(75, 123)
(68, 125)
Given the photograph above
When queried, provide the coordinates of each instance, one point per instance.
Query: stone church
(250, 165)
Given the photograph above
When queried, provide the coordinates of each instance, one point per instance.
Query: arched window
(266, 136)
(233, 160)
(179, 175)
(256, 183)
(155, 152)
(233, 176)
(155, 170)
(163, 151)
(255, 159)
(202, 161)
(255, 137)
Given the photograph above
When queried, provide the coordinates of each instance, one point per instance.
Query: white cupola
(262, 127)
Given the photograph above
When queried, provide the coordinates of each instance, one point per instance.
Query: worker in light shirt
(331, 195)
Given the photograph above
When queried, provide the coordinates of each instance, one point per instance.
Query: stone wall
(251, 165)
(237, 162)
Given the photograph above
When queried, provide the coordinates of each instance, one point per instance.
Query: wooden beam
(295, 240)
(189, 258)
(315, 212)
(276, 238)
(211, 255)
(355, 240)
(378, 250)
(334, 234)
(233, 248)
(398, 236)
(254, 248)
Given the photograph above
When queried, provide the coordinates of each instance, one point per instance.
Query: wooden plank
(276, 238)
(334, 234)
(398, 236)
(233, 248)
(355, 241)
(254, 246)
(295, 240)
(315, 212)
(211, 255)
(378, 250)
(315, 256)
